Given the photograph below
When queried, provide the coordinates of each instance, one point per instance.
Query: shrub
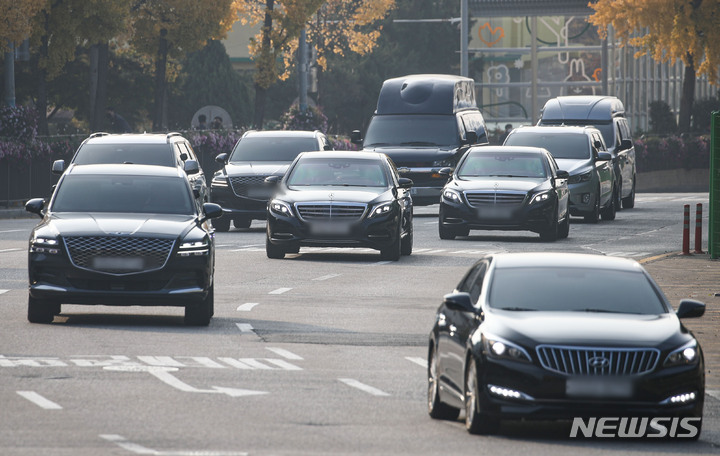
(312, 119)
(662, 120)
(673, 152)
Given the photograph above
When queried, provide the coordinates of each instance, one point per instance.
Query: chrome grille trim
(153, 252)
(579, 360)
(476, 198)
(341, 211)
(240, 184)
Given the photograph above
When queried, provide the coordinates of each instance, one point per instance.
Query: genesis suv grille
(250, 187)
(118, 255)
(331, 211)
(499, 197)
(597, 361)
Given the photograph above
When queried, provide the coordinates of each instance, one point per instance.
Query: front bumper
(582, 198)
(427, 184)
(239, 206)
(535, 217)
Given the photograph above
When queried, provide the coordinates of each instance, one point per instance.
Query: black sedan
(338, 199)
(505, 188)
(562, 336)
(122, 235)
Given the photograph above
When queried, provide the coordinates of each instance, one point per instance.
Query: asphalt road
(321, 353)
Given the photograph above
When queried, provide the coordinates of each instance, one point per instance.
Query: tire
(222, 224)
(437, 409)
(618, 199)
(242, 222)
(564, 228)
(273, 251)
(476, 422)
(393, 252)
(609, 212)
(406, 245)
(629, 201)
(552, 232)
(594, 216)
(201, 314)
(41, 310)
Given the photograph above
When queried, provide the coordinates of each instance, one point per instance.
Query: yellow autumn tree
(668, 30)
(16, 21)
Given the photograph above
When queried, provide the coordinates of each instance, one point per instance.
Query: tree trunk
(160, 68)
(688, 96)
(41, 103)
(260, 87)
(260, 97)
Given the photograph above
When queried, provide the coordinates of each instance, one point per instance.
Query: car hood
(256, 168)
(408, 156)
(497, 183)
(339, 194)
(580, 328)
(570, 164)
(114, 224)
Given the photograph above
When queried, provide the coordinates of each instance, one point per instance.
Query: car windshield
(508, 164)
(560, 145)
(574, 289)
(142, 154)
(123, 193)
(412, 130)
(607, 129)
(268, 148)
(338, 171)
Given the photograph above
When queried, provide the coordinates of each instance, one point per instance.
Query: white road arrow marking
(38, 400)
(247, 307)
(280, 291)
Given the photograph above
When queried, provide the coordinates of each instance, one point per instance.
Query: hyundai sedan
(543, 336)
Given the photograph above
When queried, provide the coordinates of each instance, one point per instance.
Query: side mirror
(222, 158)
(458, 301)
(690, 308)
(445, 171)
(191, 167)
(211, 211)
(404, 182)
(356, 137)
(58, 166)
(604, 156)
(471, 137)
(35, 206)
(562, 174)
(626, 144)
(273, 179)
(183, 156)
(196, 193)
(598, 145)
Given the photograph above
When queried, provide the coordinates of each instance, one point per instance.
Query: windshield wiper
(418, 143)
(605, 311)
(517, 309)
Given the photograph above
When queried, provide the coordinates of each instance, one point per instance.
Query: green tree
(16, 20)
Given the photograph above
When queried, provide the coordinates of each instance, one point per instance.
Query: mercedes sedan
(122, 235)
(544, 336)
(341, 199)
(505, 188)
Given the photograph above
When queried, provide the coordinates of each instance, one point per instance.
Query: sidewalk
(694, 277)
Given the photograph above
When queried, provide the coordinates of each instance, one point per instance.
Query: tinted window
(576, 289)
(269, 148)
(564, 145)
(134, 194)
(419, 130)
(482, 164)
(337, 171)
(143, 154)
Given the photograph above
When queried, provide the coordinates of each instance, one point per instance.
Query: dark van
(425, 122)
(607, 114)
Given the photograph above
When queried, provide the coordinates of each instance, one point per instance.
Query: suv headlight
(577, 178)
(451, 196)
(219, 181)
(540, 197)
(499, 348)
(381, 209)
(280, 208)
(444, 163)
(44, 244)
(687, 354)
(194, 248)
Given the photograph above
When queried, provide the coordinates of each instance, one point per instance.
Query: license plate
(330, 229)
(594, 387)
(496, 213)
(118, 263)
(259, 193)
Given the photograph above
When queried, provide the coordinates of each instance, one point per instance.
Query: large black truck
(425, 122)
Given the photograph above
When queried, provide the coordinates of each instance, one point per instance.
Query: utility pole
(464, 25)
(10, 75)
(303, 70)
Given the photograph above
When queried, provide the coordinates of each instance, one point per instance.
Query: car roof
(134, 138)
(342, 154)
(125, 169)
(282, 133)
(559, 129)
(563, 259)
(504, 149)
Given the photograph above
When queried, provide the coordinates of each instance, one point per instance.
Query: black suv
(122, 235)
(239, 186)
(171, 149)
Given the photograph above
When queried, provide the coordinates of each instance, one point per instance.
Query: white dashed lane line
(284, 353)
(280, 291)
(419, 361)
(3, 291)
(38, 400)
(245, 328)
(326, 277)
(9, 250)
(363, 387)
(247, 307)
(123, 443)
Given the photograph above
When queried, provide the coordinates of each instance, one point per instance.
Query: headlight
(451, 196)
(194, 248)
(444, 163)
(496, 347)
(219, 181)
(687, 354)
(280, 208)
(44, 244)
(540, 197)
(577, 178)
(381, 209)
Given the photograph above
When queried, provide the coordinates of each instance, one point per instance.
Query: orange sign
(495, 34)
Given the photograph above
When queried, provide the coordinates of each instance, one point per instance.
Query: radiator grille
(250, 186)
(503, 197)
(336, 211)
(118, 254)
(597, 361)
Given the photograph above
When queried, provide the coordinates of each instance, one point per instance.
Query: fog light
(507, 393)
(586, 198)
(680, 398)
